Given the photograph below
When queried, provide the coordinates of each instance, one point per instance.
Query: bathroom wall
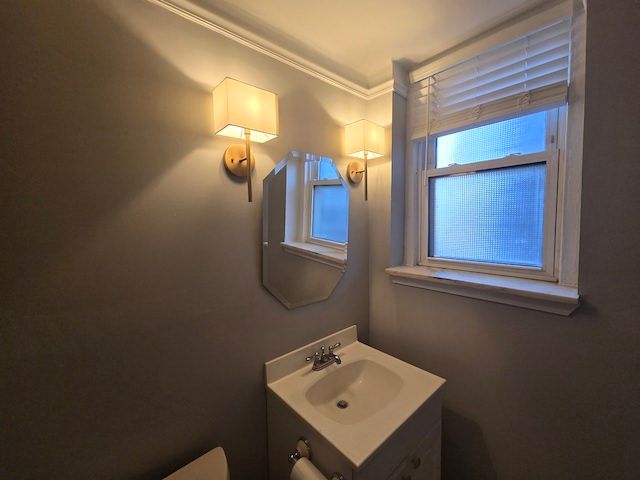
(532, 395)
(133, 323)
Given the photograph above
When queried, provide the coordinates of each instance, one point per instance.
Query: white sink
(355, 406)
(354, 391)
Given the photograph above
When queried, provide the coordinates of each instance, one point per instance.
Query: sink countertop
(357, 441)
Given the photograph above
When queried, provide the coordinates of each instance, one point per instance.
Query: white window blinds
(528, 73)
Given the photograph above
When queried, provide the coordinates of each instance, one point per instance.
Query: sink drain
(342, 404)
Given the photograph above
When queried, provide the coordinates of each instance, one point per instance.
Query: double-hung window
(490, 197)
(488, 142)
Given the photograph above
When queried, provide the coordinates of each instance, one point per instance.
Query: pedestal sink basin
(351, 393)
(356, 405)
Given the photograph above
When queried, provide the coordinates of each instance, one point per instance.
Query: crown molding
(400, 87)
(222, 26)
(381, 89)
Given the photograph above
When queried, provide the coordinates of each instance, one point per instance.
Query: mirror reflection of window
(330, 213)
(328, 203)
(327, 170)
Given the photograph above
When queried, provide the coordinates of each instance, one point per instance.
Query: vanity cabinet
(412, 453)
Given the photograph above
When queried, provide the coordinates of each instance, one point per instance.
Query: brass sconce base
(355, 171)
(235, 160)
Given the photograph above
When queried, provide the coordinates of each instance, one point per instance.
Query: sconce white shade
(238, 106)
(363, 137)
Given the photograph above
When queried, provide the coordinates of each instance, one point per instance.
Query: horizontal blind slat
(518, 80)
(503, 55)
(556, 53)
(508, 91)
(493, 82)
(535, 99)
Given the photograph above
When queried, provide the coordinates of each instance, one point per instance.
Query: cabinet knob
(415, 461)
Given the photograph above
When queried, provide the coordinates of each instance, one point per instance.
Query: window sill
(318, 253)
(520, 292)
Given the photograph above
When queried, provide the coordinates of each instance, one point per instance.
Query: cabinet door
(424, 463)
(422, 466)
(399, 472)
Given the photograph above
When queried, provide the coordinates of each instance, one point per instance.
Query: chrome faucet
(323, 359)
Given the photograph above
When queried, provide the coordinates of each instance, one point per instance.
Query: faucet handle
(332, 347)
(313, 357)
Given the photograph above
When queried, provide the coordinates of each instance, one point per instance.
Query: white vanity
(370, 416)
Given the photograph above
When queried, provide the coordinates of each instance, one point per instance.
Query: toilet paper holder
(303, 449)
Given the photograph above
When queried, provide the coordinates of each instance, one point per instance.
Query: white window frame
(554, 145)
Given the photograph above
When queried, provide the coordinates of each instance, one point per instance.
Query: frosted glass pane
(521, 135)
(330, 213)
(493, 216)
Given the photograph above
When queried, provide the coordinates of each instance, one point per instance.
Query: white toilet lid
(210, 466)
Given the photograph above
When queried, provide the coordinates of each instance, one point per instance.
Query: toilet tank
(210, 466)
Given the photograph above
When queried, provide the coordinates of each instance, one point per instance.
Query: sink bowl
(354, 392)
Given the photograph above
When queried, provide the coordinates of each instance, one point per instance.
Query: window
(328, 200)
(490, 196)
(492, 190)
(490, 156)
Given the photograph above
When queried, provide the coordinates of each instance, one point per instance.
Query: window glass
(522, 135)
(493, 216)
(330, 213)
(327, 170)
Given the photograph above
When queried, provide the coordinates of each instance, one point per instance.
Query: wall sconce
(363, 139)
(244, 111)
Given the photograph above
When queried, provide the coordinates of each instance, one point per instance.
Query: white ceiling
(358, 39)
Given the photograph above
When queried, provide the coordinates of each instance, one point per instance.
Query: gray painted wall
(133, 326)
(133, 323)
(532, 395)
